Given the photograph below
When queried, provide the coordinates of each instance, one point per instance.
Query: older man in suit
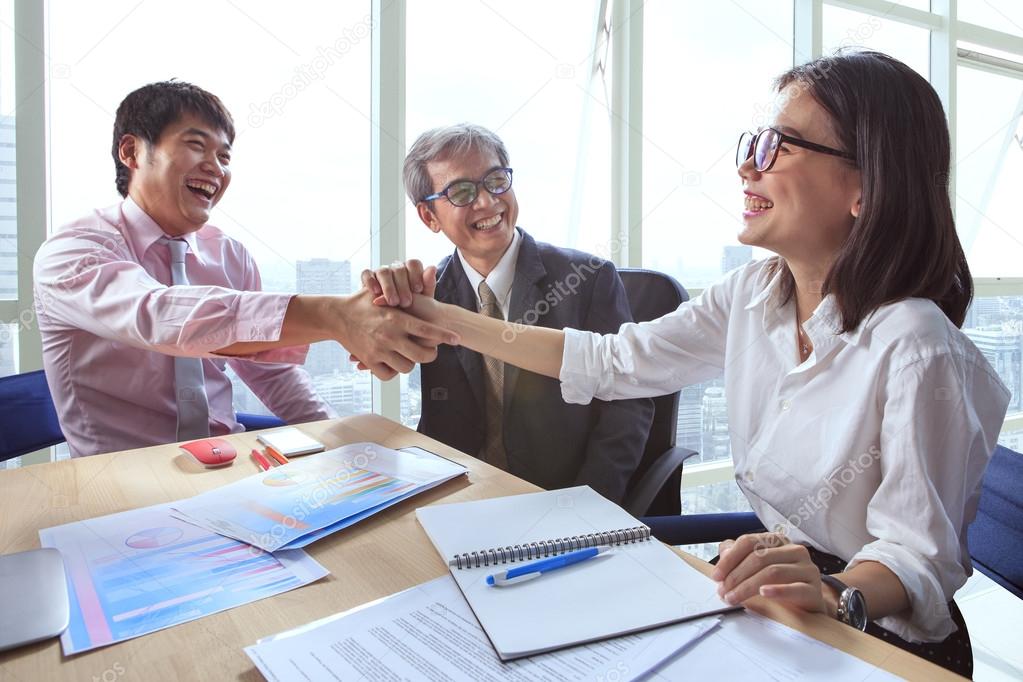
(459, 179)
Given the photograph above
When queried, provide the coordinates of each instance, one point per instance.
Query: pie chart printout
(151, 538)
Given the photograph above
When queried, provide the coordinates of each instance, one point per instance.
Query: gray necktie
(189, 381)
(493, 447)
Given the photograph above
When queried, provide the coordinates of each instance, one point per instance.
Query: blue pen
(537, 568)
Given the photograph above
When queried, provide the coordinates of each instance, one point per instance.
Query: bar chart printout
(139, 571)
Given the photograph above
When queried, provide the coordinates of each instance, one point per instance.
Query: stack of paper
(293, 505)
(428, 633)
(142, 570)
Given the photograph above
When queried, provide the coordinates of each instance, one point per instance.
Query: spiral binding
(528, 551)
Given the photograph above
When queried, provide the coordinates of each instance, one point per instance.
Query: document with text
(429, 633)
(751, 647)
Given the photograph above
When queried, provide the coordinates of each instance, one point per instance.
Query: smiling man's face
(483, 230)
(180, 178)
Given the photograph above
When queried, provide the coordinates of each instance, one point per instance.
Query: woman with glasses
(861, 418)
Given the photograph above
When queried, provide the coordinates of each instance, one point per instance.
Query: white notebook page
(635, 587)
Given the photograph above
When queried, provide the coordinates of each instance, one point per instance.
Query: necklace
(804, 343)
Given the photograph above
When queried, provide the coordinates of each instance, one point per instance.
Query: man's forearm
(308, 319)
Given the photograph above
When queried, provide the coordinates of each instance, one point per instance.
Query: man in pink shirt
(142, 305)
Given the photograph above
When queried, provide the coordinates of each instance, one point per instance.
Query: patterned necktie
(493, 447)
(189, 381)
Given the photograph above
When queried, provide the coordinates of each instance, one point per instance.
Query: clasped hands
(769, 565)
(389, 339)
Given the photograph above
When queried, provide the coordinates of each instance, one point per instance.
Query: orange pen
(260, 460)
(276, 455)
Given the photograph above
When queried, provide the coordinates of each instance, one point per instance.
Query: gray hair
(443, 143)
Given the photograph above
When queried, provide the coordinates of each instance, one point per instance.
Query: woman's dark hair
(904, 242)
(146, 112)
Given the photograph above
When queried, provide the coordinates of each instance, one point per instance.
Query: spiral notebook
(642, 584)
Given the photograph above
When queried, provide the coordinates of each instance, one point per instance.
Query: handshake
(394, 322)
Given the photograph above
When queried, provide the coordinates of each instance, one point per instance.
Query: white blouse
(872, 449)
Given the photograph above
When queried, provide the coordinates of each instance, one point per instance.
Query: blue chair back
(995, 537)
(254, 422)
(28, 420)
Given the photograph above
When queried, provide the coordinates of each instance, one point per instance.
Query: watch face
(857, 609)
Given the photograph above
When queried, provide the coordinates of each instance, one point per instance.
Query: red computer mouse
(211, 452)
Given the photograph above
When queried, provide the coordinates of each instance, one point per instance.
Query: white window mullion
(943, 79)
(808, 30)
(30, 147)
(627, 132)
(388, 153)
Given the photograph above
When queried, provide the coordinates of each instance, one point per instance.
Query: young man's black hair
(146, 112)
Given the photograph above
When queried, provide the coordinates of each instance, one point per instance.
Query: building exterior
(8, 241)
(689, 431)
(1003, 349)
(321, 276)
(716, 442)
(735, 257)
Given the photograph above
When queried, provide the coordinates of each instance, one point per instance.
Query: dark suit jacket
(548, 442)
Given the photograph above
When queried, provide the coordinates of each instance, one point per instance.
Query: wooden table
(377, 557)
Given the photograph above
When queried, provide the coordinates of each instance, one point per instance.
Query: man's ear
(128, 149)
(428, 217)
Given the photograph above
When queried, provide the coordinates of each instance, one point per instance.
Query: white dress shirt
(500, 279)
(872, 449)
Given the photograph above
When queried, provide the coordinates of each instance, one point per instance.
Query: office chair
(28, 420)
(655, 487)
(254, 422)
(995, 538)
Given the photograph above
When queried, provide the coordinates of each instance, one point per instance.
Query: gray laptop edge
(35, 601)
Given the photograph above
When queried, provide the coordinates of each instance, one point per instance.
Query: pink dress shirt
(110, 326)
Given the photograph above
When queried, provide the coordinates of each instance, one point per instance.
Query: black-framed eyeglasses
(763, 147)
(464, 192)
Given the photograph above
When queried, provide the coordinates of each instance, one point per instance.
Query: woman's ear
(855, 210)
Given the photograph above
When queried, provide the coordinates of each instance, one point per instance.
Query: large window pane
(989, 171)
(1012, 440)
(1001, 15)
(995, 325)
(848, 28)
(8, 194)
(692, 117)
(297, 83)
(522, 70)
(8, 349)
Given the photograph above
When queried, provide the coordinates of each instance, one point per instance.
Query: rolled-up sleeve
(941, 423)
(653, 358)
(85, 282)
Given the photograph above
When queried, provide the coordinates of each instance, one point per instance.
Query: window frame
(624, 29)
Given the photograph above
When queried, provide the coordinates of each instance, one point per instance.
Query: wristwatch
(852, 607)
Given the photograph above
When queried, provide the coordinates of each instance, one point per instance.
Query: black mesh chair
(655, 487)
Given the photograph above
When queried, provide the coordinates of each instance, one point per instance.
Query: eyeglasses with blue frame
(464, 192)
